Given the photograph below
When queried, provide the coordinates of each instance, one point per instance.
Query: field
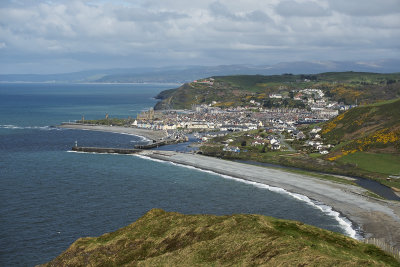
(381, 163)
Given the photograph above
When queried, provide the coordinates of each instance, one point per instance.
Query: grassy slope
(369, 138)
(342, 86)
(171, 239)
(363, 121)
(370, 128)
(382, 163)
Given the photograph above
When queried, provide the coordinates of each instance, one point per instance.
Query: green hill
(372, 128)
(162, 238)
(367, 137)
(347, 87)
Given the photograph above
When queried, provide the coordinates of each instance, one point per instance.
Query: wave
(344, 223)
(16, 127)
(141, 138)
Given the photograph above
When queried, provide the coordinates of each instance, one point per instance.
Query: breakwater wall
(105, 150)
(160, 143)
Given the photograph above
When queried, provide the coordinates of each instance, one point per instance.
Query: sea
(50, 196)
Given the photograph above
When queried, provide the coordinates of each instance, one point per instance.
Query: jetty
(137, 149)
(106, 150)
(161, 143)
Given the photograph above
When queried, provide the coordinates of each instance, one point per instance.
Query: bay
(50, 197)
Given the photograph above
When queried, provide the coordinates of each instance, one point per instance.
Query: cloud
(138, 14)
(125, 33)
(301, 9)
(366, 8)
(220, 10)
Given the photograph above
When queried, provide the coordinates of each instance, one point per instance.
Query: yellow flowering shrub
(361, 120)
(343, 153)
(385, 136)
(346, 92)
(332, 124)
(262, 96)
(381, 137)
(334, 158)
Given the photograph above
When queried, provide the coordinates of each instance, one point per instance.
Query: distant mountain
(73, 77)
(183, 74)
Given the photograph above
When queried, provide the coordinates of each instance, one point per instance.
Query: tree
(268, 103)
(263, 149)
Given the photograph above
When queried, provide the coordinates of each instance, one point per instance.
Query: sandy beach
(376, 218)
(149, 134)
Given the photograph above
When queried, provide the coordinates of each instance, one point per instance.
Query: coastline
(376, 218)
(146, 133)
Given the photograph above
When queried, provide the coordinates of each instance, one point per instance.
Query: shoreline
(347, 225)
(375, 218)
(151, 135)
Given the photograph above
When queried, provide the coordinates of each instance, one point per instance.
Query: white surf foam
(16, 127)
(148, 158)
(142, 139)
(344, 223)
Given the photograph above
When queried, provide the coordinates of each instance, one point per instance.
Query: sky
(66, 35)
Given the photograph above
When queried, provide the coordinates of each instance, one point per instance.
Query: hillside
(162, 238)
(367, 137)
(226, 91)
(370, 128)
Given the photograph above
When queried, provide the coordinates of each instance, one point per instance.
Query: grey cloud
(220, 10)
(366, 7)
(258, 16)
(305, 9)
(172, 32)
(139, 14)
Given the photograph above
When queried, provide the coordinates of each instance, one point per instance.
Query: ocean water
(50, 196)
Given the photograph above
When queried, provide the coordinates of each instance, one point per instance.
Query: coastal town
(209, 121)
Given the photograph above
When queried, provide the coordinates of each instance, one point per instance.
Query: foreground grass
(171, 239)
